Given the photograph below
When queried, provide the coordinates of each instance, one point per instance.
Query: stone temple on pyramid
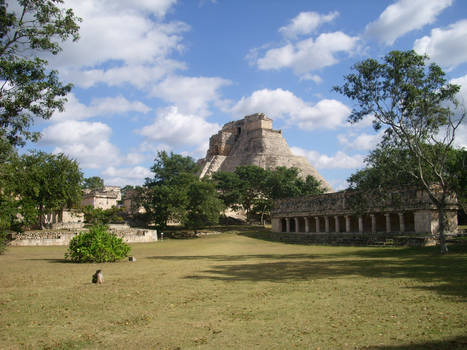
(253, 141)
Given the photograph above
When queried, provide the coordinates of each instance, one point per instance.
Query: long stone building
(253, 141)
(402, 211)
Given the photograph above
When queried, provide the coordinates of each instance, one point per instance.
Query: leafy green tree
(229, 188)
(93, 183)
(204, 206)
(252, 185)
(165, 196)
(50, 182)
(419, 110)
(99, 216)
(28, 88)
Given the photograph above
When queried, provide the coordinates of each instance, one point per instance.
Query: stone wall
(63, 237)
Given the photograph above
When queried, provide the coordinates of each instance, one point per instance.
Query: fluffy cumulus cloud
(175, 129)
(462, 96)
(403, 17)
(445, 46)
(306, 23)
(190, 94)
(125, 176)
(309, 54)
(87, 142)
(98, 107)
(120, 37)
(284, 104)
(361, 142)
(340, 160)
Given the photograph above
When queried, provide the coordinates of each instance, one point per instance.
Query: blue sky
(165, 75)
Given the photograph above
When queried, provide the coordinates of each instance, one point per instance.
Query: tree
(28, 88)
(255, 188)
(203, 206)
(93, 183)
(165, 195)
(229, 188)
(418, 108)
(49, 182)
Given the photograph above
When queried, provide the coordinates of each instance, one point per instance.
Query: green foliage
(255, 188)
(49, 182)
(93, 183)
(98, 216)
(165, 196)
(34, 184)
(418, 109)
(204, 206)
(29, 88)
(98, 246)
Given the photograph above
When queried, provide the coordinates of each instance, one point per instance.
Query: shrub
(98, 216)
(97, 245)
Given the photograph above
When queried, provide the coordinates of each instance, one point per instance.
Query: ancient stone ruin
(253, 141)
(400, 214)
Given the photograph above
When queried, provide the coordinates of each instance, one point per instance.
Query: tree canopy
(93, 183)
(28, 88)
(417, 106)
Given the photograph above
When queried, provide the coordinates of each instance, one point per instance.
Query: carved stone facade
(106, 198)
(252, 141)
(403, 211)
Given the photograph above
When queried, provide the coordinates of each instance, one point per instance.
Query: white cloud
(339, 161)
(87, 142)
(75, 110)
(125, 176)
(190, 94)
(403, 17)
(139, 76)
(362, 142)
(284, 104)
(176, 129)
(118, 31)
(462, 95)
(447, 47)
(306, 23)
(309, 54)
(461, 136)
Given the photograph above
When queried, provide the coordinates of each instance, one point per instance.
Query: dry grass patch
(231, 291)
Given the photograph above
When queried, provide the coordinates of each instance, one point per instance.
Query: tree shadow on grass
(53, 261)
(442, 274)
(455, 343)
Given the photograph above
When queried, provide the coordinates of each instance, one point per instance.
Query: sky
(153, 75)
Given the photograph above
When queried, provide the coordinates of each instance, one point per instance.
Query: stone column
(296, 225)
(336, 220)
(347, 223)
(373, 223)
(401, 222)
(307, 224)
(388, 222)
(360, 223)
(326, 224)
(318, 229)
(287, 225)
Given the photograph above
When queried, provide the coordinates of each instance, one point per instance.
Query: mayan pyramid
(252, 141)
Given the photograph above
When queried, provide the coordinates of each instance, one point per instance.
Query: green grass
(232, 291)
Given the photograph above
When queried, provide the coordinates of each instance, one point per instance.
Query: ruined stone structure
(402, 211)
(253, 141)
(106, 198)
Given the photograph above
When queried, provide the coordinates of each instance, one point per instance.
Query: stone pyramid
(252, 141)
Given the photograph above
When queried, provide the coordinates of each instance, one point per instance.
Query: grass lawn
(234, 291)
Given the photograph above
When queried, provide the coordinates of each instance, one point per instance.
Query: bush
(97, 245)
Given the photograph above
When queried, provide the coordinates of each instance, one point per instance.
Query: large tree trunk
(443, 224)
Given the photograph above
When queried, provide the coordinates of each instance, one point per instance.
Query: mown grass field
(234, 291)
